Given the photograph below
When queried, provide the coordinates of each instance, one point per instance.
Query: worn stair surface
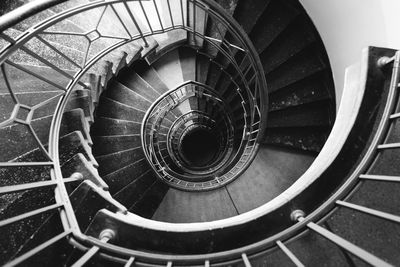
(103, 127)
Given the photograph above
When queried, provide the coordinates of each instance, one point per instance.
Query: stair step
(284, 48)
(124, 175)
(184, 207)
(109, 126)
(150, 201)
(150, 76)
(33, 174)
(112, 162)
(72, 144)
(82, 102)
(385, 163)
(151, 48)
(271, 23)
(20, 232)
(167, 42)
(46, 228)
(30, 78)
(187, 58)
(111, 144)
(214, 73)
(313, 114)
(47, 51)
(135, 190)
(134, 82)
(109, 108)
(88, 199)
(196, 19)
(78, 163)
(256, 186)
(255, 8)
(370, 233)
(303, 138)
(119, 92)
(297, 68)
(202, 66)
(169, 69)
(308, 90)
(72, 121)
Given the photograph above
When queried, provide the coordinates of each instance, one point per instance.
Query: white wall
(348, 26)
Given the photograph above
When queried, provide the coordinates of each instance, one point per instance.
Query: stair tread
(78, 163)
(112, 162)
(148, 74)
(109, 126)
(87, 199)
(283, 48)
(296, 69)
(202, 66)
(312, 114)
(113, 109)
(136, 83)
(256, 186)
(305, 91)
(104, 145)
(124, 175)
(169, 69)
(255, 8)
(130, 97)
(138, 185)
(18, 133)
(187, 58)
(22, 81)
(303, 138)
(180, 207)
(272, 22)
(149, 202)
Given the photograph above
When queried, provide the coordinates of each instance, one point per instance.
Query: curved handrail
(348, 111)
(354, 95)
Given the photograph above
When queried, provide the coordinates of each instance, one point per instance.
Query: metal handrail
(16, 44)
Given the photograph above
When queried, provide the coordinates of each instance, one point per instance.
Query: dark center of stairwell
(200, 147)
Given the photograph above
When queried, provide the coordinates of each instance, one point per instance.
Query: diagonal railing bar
(350, 247)
(7, 82)
(246, 260)
(130, 262)
(63, 55)
(146, 17)
(33, 185)
(21, 68)
(37, 139)
(101, 17)
(45, 102)
(51, 65)
(86, 257)
(146, 44)
(47, 32)
(67, 214)
(24, 164)
(29, 214)
(120, 20)
(37, 249)
(384, 178)
(158, 15)
(290, 255)
(170, 13)
(373, 212)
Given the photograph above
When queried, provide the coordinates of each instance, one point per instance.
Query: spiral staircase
(191, 133)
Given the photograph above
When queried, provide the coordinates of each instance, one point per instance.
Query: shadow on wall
(348, 26)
